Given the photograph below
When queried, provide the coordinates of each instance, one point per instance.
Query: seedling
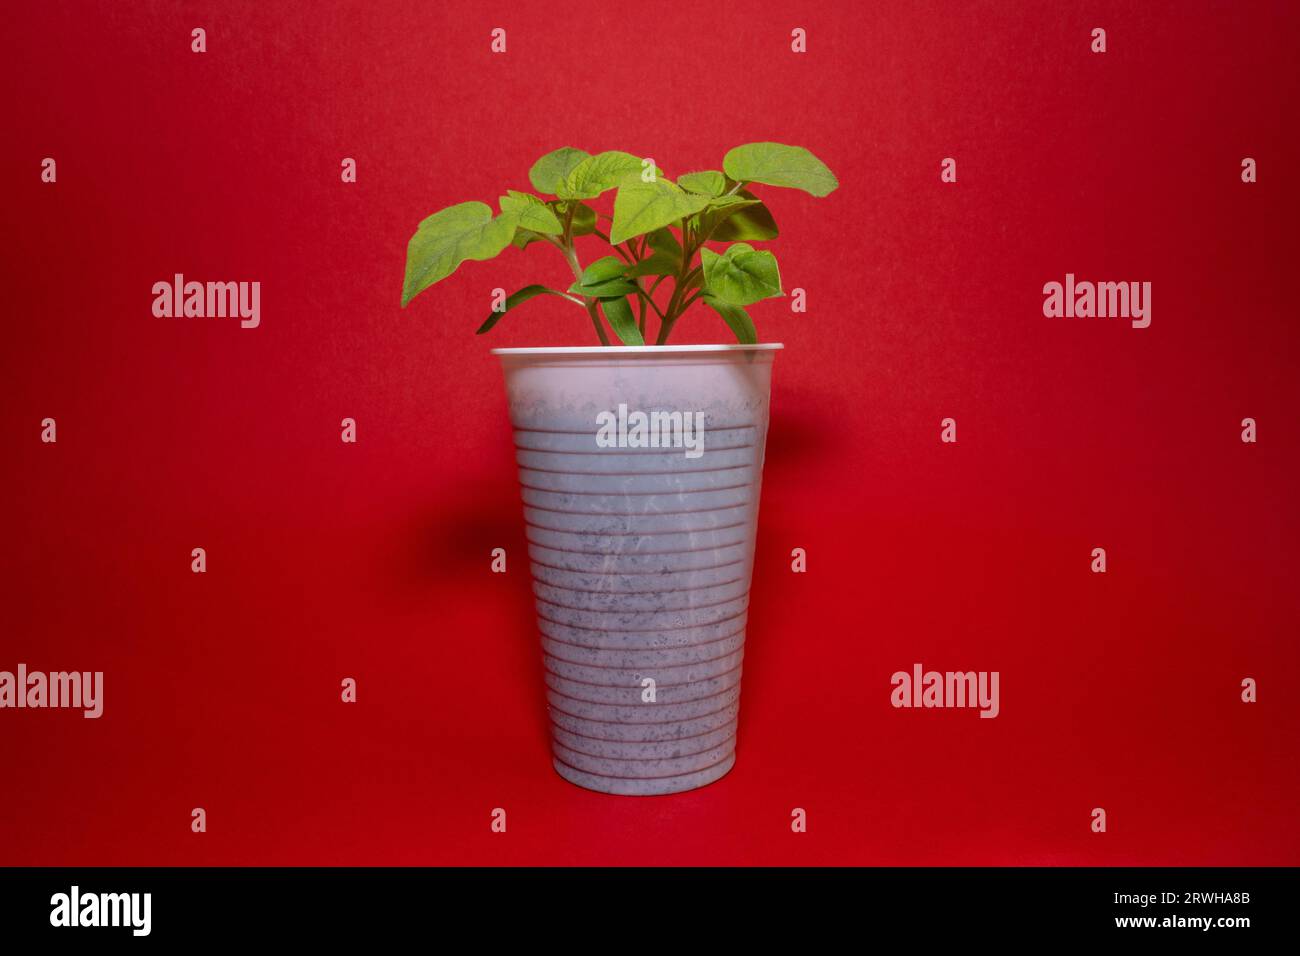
(658, 234)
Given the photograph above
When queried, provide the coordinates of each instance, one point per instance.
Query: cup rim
(638, 349)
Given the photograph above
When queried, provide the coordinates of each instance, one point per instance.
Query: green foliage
(619, 314)
(523, 295)
(598, 174)
(643, 207)
(448, 238)
(737, 320)
(708, 183)
(604, 279)
(775, 164)
(742, 275)
(747, 221)
(549, 171)
(665, 255)
(532, 213)
(584, 218)
(659, 262)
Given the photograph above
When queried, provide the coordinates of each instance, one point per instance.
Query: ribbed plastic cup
(641, 542)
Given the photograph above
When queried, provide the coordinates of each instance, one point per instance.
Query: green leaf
(643, 207)
(603, 279)
(723, 202)
(603, 269)
(596, 174)
(718, 211)
(619, 314)
(736, 223)
(736, 318)
(664, 240)
(449, 237)
(654, 266)
(605, 290)
(742, 275)
(549, 171)
(710, 182)
(523, 295)
(778, 165)
(584, 219)
(666, 258)
(524, 238)
(533, 214)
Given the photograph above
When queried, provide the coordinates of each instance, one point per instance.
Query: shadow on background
(444, 555)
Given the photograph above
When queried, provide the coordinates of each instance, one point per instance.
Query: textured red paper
(328, 560)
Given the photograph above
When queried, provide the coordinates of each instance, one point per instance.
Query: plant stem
(646, 298)
(676, 305)
(595, 320)
(590, 303)
(568, 224)
(669, 314)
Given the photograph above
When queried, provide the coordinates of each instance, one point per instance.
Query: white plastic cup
(641, 554)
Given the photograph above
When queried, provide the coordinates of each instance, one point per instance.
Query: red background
(328, 560)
